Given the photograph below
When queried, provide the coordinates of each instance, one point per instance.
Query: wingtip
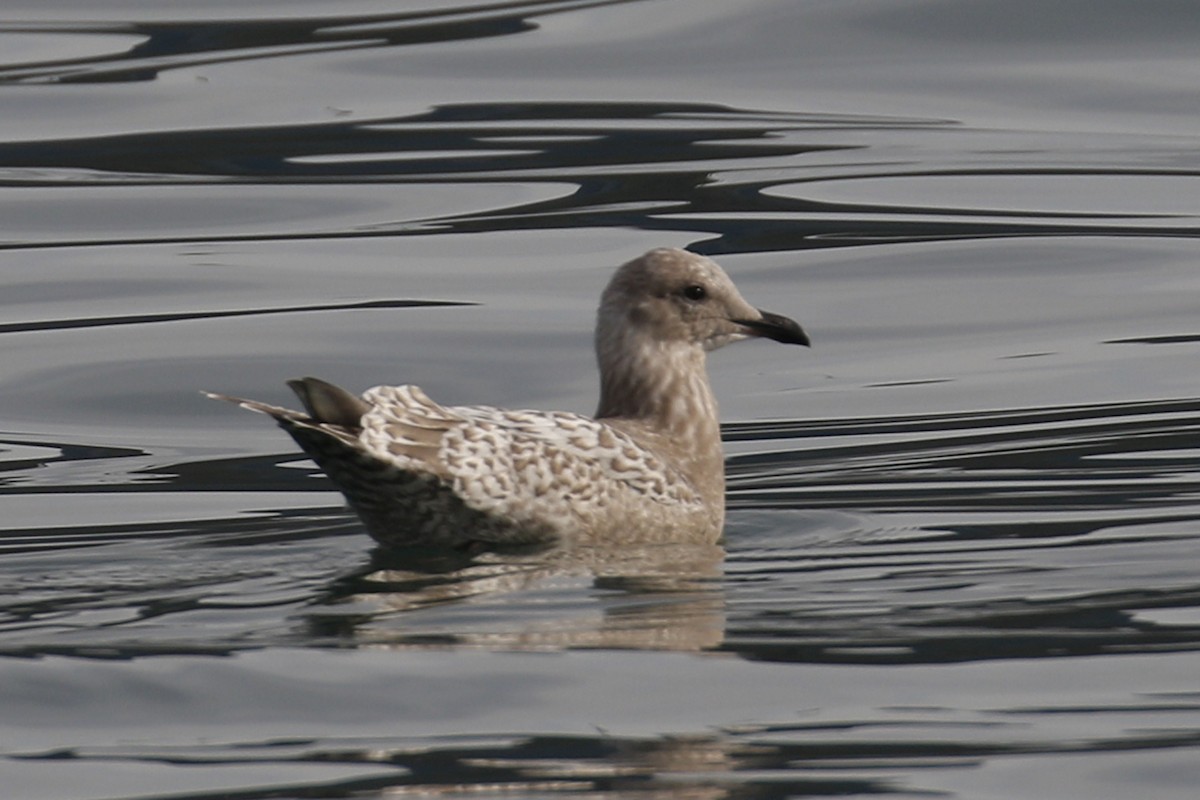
(218, 396)
(328, 403)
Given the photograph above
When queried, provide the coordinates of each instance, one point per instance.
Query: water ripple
(164, 46)
(921, 538)
(1133, 456)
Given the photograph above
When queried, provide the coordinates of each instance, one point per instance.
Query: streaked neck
(663, 385)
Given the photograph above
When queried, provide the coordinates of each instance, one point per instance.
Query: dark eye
(695, 292)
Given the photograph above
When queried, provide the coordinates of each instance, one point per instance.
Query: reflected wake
(1043, 532)
(1119, 457)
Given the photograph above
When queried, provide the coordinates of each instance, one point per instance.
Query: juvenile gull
(647, 468)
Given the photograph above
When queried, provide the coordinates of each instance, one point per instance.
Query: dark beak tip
(800, 338)
(779, 328)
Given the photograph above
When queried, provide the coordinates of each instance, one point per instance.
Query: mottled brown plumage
(647, 468)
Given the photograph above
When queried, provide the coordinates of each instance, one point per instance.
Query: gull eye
(695, 292)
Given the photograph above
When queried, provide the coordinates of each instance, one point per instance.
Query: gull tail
(324, 402)
(278, 412)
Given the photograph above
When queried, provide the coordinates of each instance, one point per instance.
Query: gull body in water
(647, 468)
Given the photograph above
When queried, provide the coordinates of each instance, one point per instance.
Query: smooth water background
(961, 556)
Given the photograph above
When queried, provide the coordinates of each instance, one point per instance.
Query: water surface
(960, 555)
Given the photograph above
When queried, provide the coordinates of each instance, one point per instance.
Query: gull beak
(776, 327)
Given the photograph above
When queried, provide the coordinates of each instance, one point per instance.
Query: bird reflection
(657, 597)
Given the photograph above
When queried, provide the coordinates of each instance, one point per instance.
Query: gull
(647, 468)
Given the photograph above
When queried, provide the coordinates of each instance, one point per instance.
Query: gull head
(671, 297)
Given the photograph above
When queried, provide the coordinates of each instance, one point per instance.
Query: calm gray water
(962, 552)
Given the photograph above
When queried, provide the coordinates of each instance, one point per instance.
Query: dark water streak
(148, 319)
(576, 143)
(174, 45)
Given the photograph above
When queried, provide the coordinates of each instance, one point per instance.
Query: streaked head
(673, 296)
